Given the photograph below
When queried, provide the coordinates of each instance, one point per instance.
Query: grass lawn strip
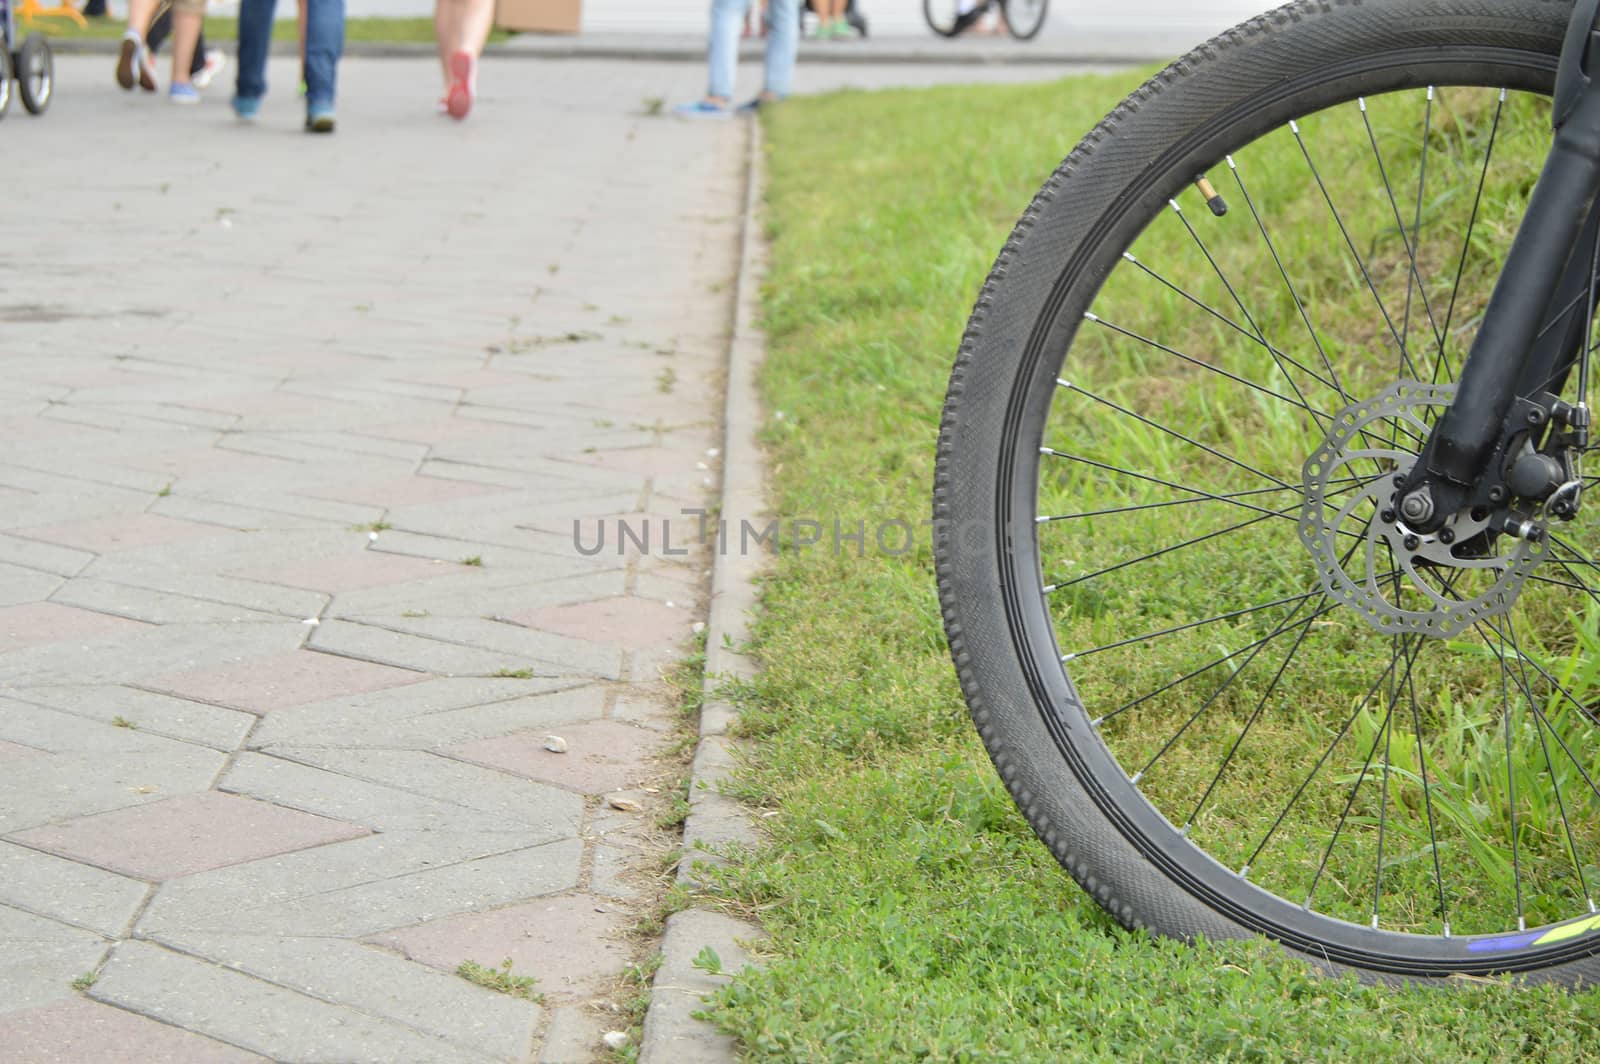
(913, 915)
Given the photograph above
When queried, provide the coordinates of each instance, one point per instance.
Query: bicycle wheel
(1221, 688)
(1024, 18)
(946, 17)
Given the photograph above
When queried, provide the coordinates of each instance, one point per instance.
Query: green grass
(913, 915)
(356, 30)
(501, 979)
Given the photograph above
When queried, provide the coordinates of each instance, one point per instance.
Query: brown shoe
(127, 60)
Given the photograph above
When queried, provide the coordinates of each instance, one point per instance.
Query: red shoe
(458, 100)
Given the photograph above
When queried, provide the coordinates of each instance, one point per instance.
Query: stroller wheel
(5, 78)
(35, 74)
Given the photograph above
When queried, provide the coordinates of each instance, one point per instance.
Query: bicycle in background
(950, 18)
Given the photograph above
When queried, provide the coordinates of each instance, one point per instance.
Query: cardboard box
(540, 16)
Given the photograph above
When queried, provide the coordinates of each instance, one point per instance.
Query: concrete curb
(683, 50)
(671, 1033)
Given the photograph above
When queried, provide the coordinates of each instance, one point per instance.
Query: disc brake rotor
(1397, 579)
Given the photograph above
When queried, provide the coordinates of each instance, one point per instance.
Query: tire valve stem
(1213, 198)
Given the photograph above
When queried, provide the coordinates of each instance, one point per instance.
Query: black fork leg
(1547, 259)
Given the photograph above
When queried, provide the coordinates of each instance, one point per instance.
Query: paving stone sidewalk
(293, 436)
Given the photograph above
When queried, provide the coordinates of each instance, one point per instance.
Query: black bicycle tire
(1141, 154)
(953, 30)
(35, 98)
(1011, 28)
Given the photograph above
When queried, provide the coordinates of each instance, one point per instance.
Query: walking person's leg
(160, 26)
(133, 61)
(722, 61)
(255, 35)
(186, 19)
(830, 18)
(460, 28)
(783, 43)
(324, 46)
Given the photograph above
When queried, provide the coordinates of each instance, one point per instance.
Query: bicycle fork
(1506, 445)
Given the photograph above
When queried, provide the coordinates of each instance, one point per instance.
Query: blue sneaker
(702, 109)
(182, 93)
(751, 106)
(247, 107)
(319, 118)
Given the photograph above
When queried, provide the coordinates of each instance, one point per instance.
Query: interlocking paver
(263, 684)
(351, 571)
(335, 795)
(546, 812)
(67, 891)
(78, 1031)
(147, 711)
(571, 943)
(41, 958)
(448, 657)
(44, 557)
(601, 756)
(16, 752)
(380, 984)
(395, 359)
(19, 586)
(407, 491)
(631, 622)
(256, 1015)
(43, 789)
(397, 728)
(123, 532)
(187, 834)
(39, 623)
(207, 901)
(148, 649)
(372, 907)
(151, 607)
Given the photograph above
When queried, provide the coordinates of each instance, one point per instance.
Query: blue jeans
(783, 40)
(324, 45)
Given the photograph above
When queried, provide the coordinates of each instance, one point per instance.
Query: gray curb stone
(671, 1032)
(1147, 47)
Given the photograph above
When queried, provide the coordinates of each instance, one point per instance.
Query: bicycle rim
(1024, 18)
(1404, 802)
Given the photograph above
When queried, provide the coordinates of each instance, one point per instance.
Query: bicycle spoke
(1255, 715)
(1416, 228)
(1344, 815)
(1337, 739)
(1383, 809)
(1317, 416)
(1540, 722)
(1361, 264)
(1285, 626)
(1511, 787)
(1411, 253)
(1174, 433)
(1466, 242)
(1189, 626)
(1278, 357)
(1052, 588)
(1230, 497)
(1186, 677)
(1427, 802)
(1299, 304)
(1051, 452)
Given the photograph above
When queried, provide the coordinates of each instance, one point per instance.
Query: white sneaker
(215, 61)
